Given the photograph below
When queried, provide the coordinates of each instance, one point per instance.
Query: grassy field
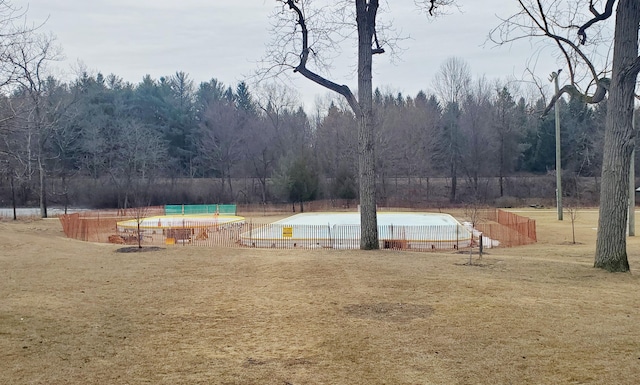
(81, 313)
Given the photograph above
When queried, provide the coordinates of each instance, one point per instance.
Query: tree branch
(571, 90)
(432, 7)
(314, 77)
(373, 10)
(608, 11)
(593, 9)
(545, 28)
(601, 88)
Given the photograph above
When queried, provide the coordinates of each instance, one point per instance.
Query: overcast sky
(225, 39)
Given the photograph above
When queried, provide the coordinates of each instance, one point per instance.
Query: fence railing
(509, 228)
(282, 236)
(101, 226)
(98, 225)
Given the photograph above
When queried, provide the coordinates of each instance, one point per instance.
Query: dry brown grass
(80, 313)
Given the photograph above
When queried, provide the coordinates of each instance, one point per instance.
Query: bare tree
(269, 139)
(507, 133)
(9, 150)
(221, 141)
(335, 144)
(576, 28)
(30, 55)
(15, 32)
(473, 212)
(391, 139)
(572, 210)
(452, 84)
(309, 46)
(453, 80)
(430, 114)
(478, 153)
(24, 55)
(139, 158)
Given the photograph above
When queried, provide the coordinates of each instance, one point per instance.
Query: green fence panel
(200, 209)
(227, 209)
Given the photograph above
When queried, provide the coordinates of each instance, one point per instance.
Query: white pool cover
(180, 221)
(342, 231)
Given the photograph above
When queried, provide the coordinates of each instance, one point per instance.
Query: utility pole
(554, 78)
(632, 185)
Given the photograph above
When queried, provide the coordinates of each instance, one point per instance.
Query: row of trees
(128, 135)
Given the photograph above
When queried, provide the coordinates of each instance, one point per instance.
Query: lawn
(81, 313)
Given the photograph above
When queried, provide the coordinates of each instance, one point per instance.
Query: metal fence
(282, 236)
(101, 226)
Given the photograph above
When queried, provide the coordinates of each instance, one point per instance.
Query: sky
(226, 40)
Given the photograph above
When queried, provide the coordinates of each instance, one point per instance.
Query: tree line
(126, 138)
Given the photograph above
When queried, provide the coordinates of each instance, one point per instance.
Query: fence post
(480, 245)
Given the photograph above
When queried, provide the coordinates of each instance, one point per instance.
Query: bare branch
(536, 14)
(314, 77)
(432, 7)
(593, 9)
(608, 11)
(571, 90)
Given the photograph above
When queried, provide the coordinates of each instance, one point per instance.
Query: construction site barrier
(283, 236)
(101, 226)
(509, 228)
(98, 225)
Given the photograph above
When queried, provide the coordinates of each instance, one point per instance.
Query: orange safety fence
(508, 228)
(101, 226)
(98, 225)
(283, 236)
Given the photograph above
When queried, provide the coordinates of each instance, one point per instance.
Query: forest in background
(99, 141)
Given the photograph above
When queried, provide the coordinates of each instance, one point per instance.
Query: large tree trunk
(611, 247)
(365, 18)
(363, 109)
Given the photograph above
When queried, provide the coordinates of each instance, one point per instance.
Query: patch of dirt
(136, 249)
(390, 312)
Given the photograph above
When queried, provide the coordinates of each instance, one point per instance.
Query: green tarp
(200, 209)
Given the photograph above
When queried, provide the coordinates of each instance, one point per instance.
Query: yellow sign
(287, 232)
